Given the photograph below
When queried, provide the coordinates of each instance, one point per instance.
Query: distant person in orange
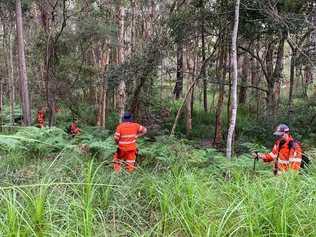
(41, 117)
(125, 137)
(74, 130)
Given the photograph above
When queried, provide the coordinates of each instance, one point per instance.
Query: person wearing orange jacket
(286, 152)
(41, 117)
(125, 137)
(73, 128)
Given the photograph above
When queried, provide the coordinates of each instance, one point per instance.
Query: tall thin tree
(25, 101)
(234, 86)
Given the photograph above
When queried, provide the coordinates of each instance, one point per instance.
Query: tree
(25, 101)
(235, 82)
(121, 90)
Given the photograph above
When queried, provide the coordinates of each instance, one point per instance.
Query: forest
(220, 96)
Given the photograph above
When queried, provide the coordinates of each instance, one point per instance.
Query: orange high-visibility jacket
(74, 130)
(288, 154)
(40, 117)
(126, 135)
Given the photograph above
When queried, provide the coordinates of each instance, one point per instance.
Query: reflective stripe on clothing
(129, 136)
(295, 159)
(130, 161)
(127, 143)
(117, 136)
(283, 162)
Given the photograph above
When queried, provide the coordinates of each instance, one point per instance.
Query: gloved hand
(256, 155)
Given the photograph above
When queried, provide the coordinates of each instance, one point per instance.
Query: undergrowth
(52, 185)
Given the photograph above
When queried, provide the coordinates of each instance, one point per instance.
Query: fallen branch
(180, 109)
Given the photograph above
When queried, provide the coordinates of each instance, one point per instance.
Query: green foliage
(176, 190)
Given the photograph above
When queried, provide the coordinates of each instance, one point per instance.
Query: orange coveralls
(74, 130)
(125, 136)
(41, 118)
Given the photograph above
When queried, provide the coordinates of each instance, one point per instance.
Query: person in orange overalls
(286, 152)
(41, 117)
(125, 137)
(73, 128)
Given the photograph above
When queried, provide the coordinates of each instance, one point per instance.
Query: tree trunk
(121, 93)
(101, 106)
(50, 87)
(191, 78)
(292, 75)
(8, 51)
(121, 98)
(229, 87)
(277, 74)
(203, 56)
(11, 81)
(274, 75)
(121, 36)
(307, 79)
(179, 82)
(102, 61)
(234, 86)
(1, 99)
(49, 60)
(132, 40)
(26, 109)
(244, 79)
(270, 82)
(255, 81)
(313, 33)
(221, 75)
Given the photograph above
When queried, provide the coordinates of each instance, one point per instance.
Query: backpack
(305, 159)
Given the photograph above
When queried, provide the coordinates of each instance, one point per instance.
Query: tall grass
(177, 191)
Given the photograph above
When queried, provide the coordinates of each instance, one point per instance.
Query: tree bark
(102, 61)
(292, 75)
(8, 51)
(179, 82)
(191, 78)
(244, 79)
(221, 71)
(26, 109)
(132, 40)
(49, 59)
(203, 56)
(277, 74)
(1, 100)
(313, 33)
(121, 99)
(221, 75)
(307, 79)
(274, 75)
(11, 81)
(234, 86)
(121, 93)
